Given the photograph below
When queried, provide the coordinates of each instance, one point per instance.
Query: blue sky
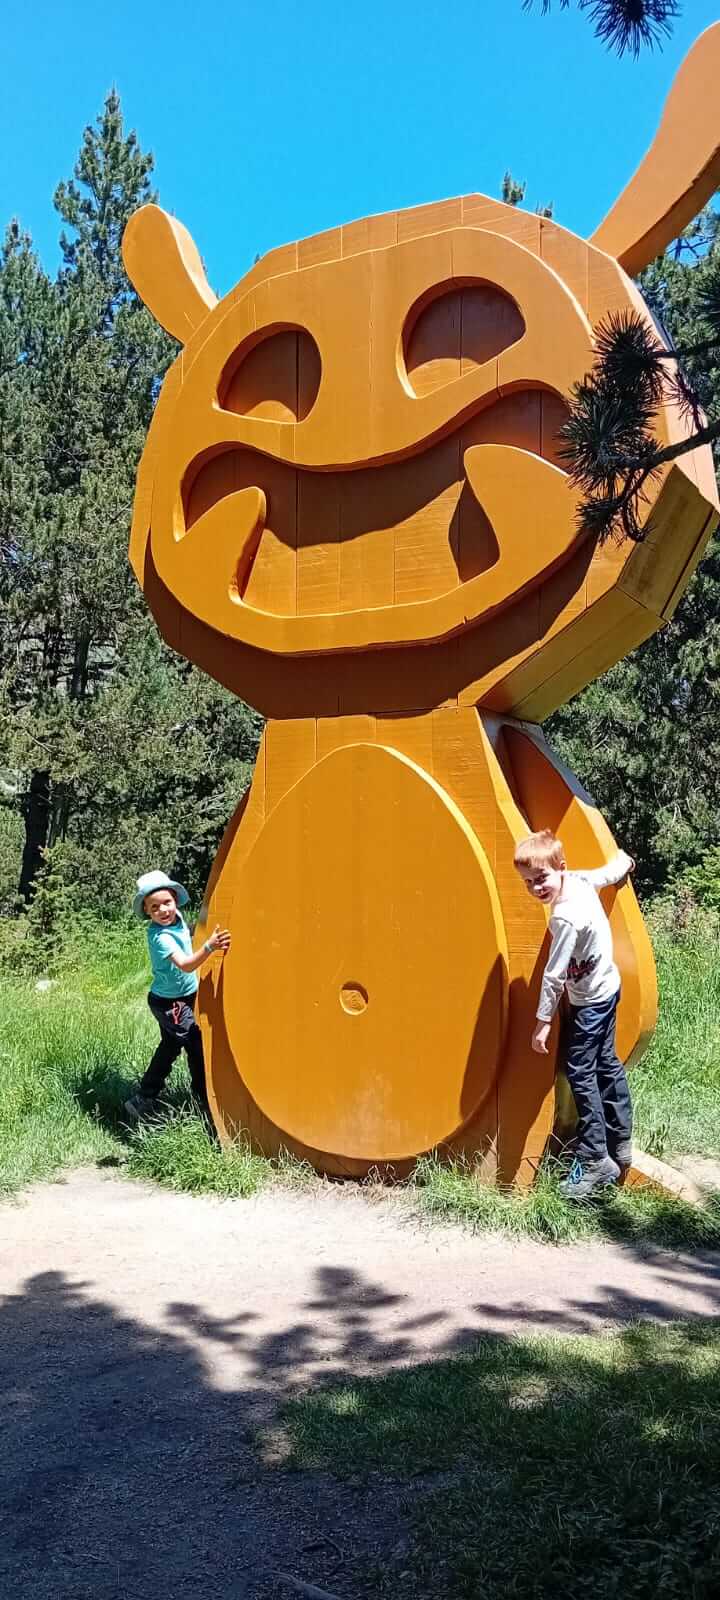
(272, 120)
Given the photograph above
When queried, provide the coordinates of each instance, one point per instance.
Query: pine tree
(512, 193)
(115, 753)
(90, 379)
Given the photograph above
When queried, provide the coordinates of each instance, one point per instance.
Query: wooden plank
(478, 211)
(568, 257)
(319, 247)
(369, 233)
(412, 736)
(433, 218)
(426, 541)
(333, 733)
(290, 752)
(318, 536)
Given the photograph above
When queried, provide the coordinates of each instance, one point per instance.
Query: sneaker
(139, 1106)
(585, 1177)
(623, 1153)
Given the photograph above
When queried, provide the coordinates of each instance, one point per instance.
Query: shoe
(139, 1106)
(623, 1153)
(585, 1177)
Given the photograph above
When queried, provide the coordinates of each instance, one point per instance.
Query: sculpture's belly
(365, 993)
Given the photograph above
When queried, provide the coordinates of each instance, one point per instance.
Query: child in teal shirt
(174, 988)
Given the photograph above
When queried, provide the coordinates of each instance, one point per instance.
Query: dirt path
(143, 1335)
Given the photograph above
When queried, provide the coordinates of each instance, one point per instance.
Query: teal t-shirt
(167, 980)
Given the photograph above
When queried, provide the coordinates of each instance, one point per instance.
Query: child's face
(543, 883)
(161, 907)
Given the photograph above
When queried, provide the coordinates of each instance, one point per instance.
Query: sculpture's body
(351, 511)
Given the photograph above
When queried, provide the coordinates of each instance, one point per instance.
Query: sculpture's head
(357, 449)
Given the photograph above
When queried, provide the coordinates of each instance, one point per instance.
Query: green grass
(558, 1466)
(180, 1154)
(450, 1192)
(53, 1047)
(676, 1087)
(70, 1055)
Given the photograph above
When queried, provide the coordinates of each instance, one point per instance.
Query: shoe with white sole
(589, 1177)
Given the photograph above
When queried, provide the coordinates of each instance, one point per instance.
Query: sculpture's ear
(681, 170)
(163, 263)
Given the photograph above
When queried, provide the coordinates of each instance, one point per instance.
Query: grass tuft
(453, 1192)
(182, 1153)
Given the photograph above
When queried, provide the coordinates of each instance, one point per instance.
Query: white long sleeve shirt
(581, 951)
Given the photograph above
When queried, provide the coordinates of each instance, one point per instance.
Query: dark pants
(597, 1079)
(178, 1031)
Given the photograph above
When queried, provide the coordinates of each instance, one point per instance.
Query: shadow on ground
(101, 1094)
(134, 1466)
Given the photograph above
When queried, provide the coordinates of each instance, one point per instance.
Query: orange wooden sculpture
(351, 511)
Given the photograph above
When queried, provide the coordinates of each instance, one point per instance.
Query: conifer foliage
(654, 719)
(626, 26)
(114, 755)
(611, 448)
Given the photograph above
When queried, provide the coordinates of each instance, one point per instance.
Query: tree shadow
(131, 1453)
(561, 1466)
(128, 1459)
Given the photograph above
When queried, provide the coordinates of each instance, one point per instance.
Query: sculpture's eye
(277, 378)
(460, 328)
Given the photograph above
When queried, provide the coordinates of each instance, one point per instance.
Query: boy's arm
(219, 939)
(564, 935)
(612, 872)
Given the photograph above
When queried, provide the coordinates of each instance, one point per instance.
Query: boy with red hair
(581, 965)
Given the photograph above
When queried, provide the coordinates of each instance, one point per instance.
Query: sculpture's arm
(681, 170)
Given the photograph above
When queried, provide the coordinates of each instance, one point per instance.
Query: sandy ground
(145, 1335)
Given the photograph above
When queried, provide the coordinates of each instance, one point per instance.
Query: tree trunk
(77, 688)
(36, 817)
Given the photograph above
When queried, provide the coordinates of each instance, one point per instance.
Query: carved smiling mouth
(298, 560)
(341, 541)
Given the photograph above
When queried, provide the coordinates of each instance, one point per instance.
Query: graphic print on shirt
(578, 970)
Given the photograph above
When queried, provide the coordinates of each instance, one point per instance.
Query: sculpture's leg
(359, 1018)
(380, 994)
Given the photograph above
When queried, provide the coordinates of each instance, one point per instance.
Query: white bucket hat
(149, 883)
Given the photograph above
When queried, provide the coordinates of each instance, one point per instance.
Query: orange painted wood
(352, 510)
(402, 922)
(181, 298)
(681, 170)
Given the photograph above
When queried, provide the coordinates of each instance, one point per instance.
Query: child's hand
(626, 876)
(540, 1038)
(219, 939)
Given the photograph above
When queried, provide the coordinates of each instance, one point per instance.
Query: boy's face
(543, 883)
(161, 907)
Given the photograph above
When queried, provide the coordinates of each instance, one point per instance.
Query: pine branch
(610, 447)
(624, 25)
(670, 452)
